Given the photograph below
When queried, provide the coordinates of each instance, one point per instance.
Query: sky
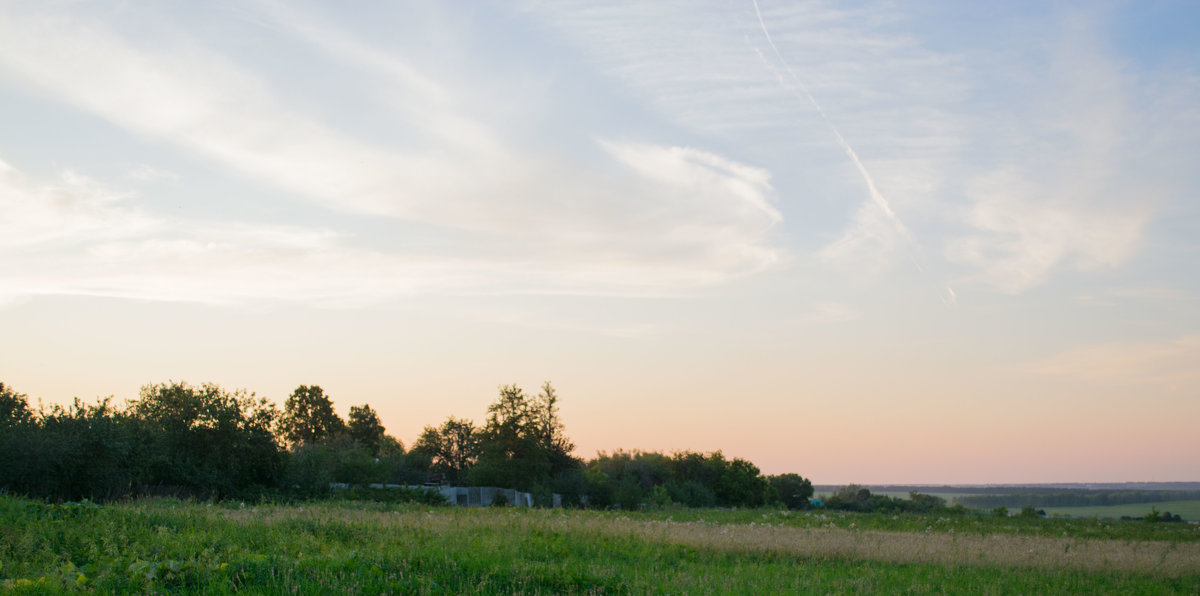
(921, 242)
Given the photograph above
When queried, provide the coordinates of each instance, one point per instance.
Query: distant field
(1188, 510)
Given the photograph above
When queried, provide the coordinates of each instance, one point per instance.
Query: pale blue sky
(864, 241)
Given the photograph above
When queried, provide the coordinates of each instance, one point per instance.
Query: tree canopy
(452, 447)
(365, 428)
(308, 416)
(209, 442)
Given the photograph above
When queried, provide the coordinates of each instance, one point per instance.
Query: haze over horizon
(874, 242)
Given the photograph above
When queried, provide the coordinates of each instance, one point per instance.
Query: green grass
(166, 545)
(973, 522)
(1188, 510)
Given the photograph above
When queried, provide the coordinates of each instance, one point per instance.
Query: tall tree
(14, 407)
(510, 452)
(510, 418)
(308, 417)
(365, 428)
(452, 448)
(550, 432)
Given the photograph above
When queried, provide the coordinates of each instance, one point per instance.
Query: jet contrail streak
(876, 196)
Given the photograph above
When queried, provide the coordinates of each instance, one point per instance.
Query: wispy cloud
(78, 236)
(867, 227)
(1080, 184)
(741, 72)
(655, 219)
(1017, 164)
(65, 214)
(950, 297)
(1025, 230)
(1068, 178)
(204, 102)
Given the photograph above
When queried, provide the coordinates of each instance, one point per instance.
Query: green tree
(926, 503)
(365, 428)
(452, 448)
(511, 452)
(549, 429)
(14, 408)
(206, 439)
(308, 417)
(688, 478)
(851, 497)
(15, 437)
(793, 490)
(739, 483)
(82, 451)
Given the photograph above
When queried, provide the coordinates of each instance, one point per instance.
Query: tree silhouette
(365, 428)
(308, 417)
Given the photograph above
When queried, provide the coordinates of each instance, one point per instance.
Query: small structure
(477, 496)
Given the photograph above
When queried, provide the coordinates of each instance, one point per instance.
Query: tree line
(853, 497)
(207, 442)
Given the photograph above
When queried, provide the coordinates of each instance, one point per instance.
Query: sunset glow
(873, 242)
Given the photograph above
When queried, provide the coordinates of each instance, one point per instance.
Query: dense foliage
(206, 442)
(631, 479)
(858, 498)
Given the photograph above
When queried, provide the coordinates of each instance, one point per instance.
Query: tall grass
(156, 546)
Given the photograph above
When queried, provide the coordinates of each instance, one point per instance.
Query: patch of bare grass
(1169, 559)
(1159, 558)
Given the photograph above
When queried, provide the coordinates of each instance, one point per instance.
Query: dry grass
(939, 548)
(1159, 558)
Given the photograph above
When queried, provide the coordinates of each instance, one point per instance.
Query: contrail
(876, 196)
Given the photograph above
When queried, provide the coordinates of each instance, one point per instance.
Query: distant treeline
(206, 442)
(858, 498)
(1076, 498)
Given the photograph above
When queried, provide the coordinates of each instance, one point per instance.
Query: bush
(1030, 512)
(390, 494)
(1154, 516)
(792, 490)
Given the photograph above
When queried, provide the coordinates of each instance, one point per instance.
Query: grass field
(1188, 510)
(165, 545)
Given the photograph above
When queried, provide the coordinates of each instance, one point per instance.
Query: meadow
(159, 546)
(1188, 510)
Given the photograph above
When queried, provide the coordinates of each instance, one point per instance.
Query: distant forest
(206, 442)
